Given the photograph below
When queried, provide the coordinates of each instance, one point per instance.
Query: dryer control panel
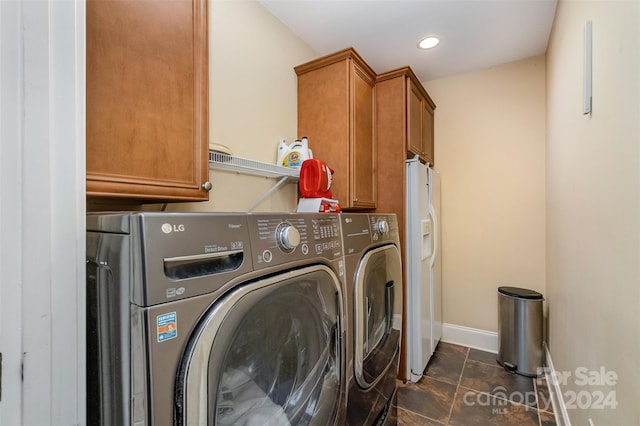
(384, 227)
(356, 231)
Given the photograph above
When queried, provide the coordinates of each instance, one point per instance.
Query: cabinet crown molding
(407, 72)
(348, 53)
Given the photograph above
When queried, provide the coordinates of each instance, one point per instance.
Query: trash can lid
(522, 293)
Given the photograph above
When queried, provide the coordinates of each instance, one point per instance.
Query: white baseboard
(471, 337)
(555, 393)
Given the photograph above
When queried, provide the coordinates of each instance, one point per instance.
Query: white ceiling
(475, 34)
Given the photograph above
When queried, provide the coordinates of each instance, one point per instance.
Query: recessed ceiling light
(428, 42)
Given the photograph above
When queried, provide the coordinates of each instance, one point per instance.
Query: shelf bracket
(266, 194)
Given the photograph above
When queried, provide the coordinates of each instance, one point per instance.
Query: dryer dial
(288, 237)
(381, 227)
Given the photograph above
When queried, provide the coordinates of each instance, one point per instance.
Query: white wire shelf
(221, 161)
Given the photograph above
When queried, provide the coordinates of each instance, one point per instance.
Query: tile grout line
(420, 414)
(455, 395)
(535, 389)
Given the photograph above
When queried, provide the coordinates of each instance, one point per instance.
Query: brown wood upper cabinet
(405, 108)
(147, 95)
(336, 111)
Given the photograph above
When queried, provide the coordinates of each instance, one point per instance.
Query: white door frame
(42, 211)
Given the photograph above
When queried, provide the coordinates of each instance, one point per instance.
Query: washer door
(268, 353)
(376, 342)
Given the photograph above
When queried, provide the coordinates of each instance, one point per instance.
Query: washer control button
(267, 256)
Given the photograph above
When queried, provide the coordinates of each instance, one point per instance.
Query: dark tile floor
(463, 386)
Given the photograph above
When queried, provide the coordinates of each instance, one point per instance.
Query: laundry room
(534, 193)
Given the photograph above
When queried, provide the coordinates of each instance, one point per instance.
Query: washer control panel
(326, 235)
(279, 238)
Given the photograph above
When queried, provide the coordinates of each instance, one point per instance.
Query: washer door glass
(380, 271)
(269, 353)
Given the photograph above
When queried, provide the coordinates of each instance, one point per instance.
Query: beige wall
(253, 101)
(593, 204)
(489, 133)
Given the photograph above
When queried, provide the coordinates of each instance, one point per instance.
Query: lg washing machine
(215, 319)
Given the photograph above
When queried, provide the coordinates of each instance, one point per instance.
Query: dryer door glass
(376, 341)
(269, 353)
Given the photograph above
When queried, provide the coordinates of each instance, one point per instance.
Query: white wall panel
(42, 212)
(10, 212)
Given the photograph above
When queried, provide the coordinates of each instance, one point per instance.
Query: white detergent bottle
(297, 154)
(283, 150)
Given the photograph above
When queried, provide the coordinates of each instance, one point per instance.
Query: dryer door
(376, 342)
(268, 353)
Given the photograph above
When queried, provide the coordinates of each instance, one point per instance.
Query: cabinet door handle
(207, 186)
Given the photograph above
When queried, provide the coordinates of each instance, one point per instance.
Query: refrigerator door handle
(436, 237)
(426, 225)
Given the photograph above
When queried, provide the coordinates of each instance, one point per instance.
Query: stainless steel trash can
(520, 330)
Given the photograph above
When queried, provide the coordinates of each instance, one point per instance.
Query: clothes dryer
(217, 319)
(373, 299)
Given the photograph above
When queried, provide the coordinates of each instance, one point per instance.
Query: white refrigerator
(423, 266)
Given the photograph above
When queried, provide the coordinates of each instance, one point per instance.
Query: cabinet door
(147, 94)
(363, 150)
(414, 120)
(427, 133)
(336, 112)
(419, 125)
(323, 116)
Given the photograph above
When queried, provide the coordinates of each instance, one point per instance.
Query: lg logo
(167, 228)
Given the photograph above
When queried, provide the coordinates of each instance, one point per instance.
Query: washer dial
(287, 237)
